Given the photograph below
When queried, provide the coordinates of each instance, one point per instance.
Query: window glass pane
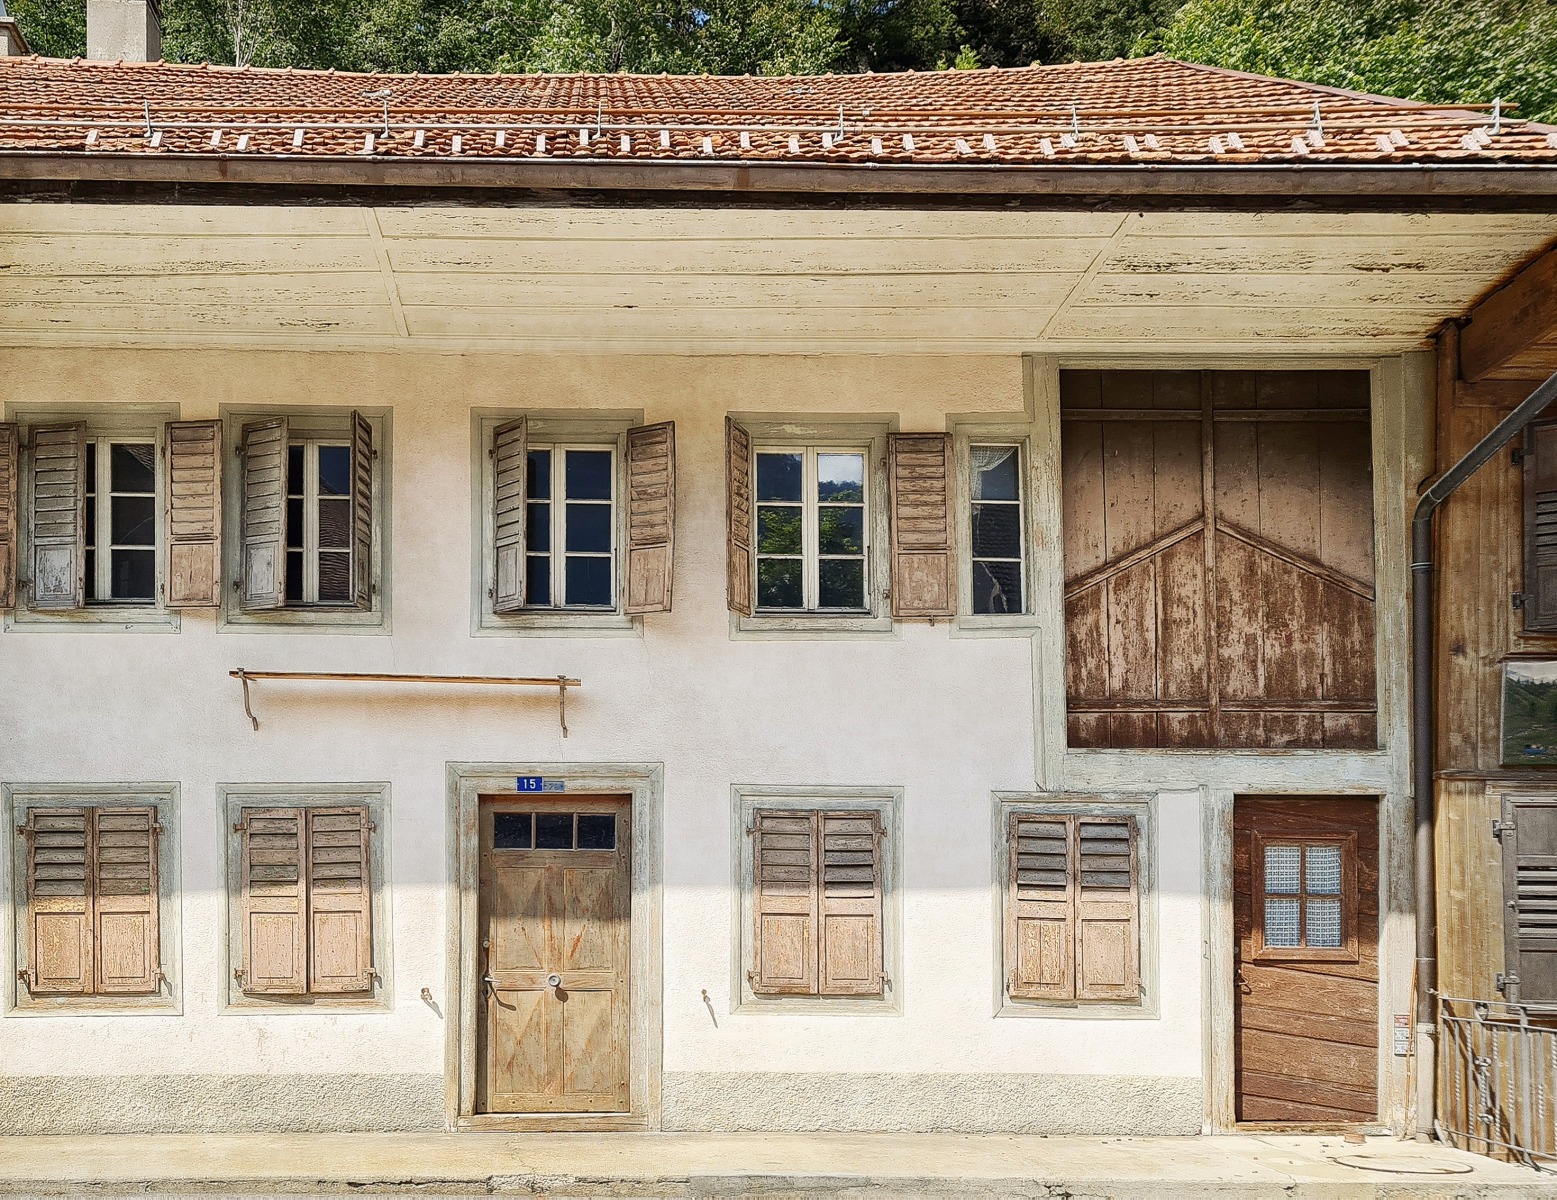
(335, 524)
(841, 530)
(842, 583)
(511, 831)
(91, 573)
(132, 468)
(1324, 923)
(294, 576)
(778, 530)
(537, 579)
(334, 577)
(134, 574)
(295, 523)
(1322, 868)
(537, 481)
(537, 525)
(334, 470)
(779, 476)
(997, 587)
(1281, 868)
(1281, 922)
(294, 470)
(589, 581)
(778, 583)
(597, 831)
(134, 520)
(997, 531)
(91, 495)
(589, 528)
(554, 831)
(840, 477)
(588, 474)
(995, 473)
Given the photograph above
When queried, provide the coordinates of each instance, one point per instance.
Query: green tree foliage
(51, 27)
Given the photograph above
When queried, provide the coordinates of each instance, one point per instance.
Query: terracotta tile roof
(1149, 110)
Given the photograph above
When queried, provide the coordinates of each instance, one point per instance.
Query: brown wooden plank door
(1306, 965)
(555, 906)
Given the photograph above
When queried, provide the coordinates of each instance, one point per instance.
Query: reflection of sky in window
(840, 478)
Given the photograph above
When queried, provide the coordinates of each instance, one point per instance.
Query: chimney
(127, 29)
(11, 39)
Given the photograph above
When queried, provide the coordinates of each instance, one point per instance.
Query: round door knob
(554, 981)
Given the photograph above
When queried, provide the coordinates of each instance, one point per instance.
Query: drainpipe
(1422, 717)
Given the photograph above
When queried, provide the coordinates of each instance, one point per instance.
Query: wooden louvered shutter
(263, 551)
(738, 557)
(849, 911)
(1040, 933)
(1539, 603)
(340, 902)
(194, 484)
(924, 561)
(651, 516)
(361, 511)
(9, 497)
(1530, 898)
(56, 519)
(273, 895)
(784, 903)
(59, 902)
(510, 472)
(124, 858)
(1108, 937)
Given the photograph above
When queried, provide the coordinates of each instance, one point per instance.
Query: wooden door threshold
(1371, 1128)
(553, 1123)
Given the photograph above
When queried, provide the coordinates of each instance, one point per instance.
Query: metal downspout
(1422, 715)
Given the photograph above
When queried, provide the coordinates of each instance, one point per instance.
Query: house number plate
(539, 783)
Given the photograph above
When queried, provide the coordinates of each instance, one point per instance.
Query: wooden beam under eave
(1512, 320)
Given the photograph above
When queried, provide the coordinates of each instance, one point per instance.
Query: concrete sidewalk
(767, 1165)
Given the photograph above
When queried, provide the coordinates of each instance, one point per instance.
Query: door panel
(1305, 991)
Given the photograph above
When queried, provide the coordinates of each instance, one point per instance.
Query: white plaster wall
(950, 719)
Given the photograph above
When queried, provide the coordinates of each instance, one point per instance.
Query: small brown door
(556, 889)
(1306, 964)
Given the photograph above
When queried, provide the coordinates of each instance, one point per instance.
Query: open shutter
(1530, 899)
(784, 903)
(1040, 933)
(1108, 936)
(849, 916)
(59, 902)
(124, 860)
(510, 467)
(651, 516)
(924, 565)
(194, 450)
(9, 496)
(1540, 584)
(738, 561)
(57, 527)
(263, 566)
(340, 902)
(361, 511)
(273, 890)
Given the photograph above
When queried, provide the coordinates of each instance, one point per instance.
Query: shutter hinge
(25, 830)
(1503, 980)
(25, 976)
(372, 826)
(238, 973)
(886, 981)
(240, 827)
(751, 978)
(1499, 828)
(1517, 456)
(374, 975)
(1517, 600)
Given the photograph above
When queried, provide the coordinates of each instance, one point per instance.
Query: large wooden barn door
(1218, 559)
(1306, 962)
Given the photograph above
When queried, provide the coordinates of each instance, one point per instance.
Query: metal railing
(1497, 1079)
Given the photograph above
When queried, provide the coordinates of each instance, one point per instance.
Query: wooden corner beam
(1509, 321)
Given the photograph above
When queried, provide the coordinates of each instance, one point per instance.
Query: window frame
(102, 500)
(1348, 896)
(231, 800)
(1021, 558)
(330, 424)
(16, 801)
(310, 497)
(887, 804)
(558, 553)
(811, 505)
(965, 436)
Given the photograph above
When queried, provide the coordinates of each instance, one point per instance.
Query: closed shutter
(510, 465)
(361, 511)
(738, 560)
(923, 559)
(56, 525)
(272, 895)
(8, 504)
(1530, 898)
(340, 902)
(59, 902)
(651, 516)
(1040, 933)
(784, 903)
(263, 551)
(849, 916)
(194, 450)
(124, 858)
(1108, 940)
(1540, 584)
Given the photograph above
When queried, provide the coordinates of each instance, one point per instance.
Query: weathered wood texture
(651, 517)
(1306, 1029)
(1261, 634)
(1514, 329)
(194, 514)
(10, 491)
(924, 559)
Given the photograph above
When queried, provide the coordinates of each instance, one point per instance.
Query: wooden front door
(555, 899)
(1306, 964)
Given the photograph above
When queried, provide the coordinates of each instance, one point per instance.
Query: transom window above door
(811, 529)
(570, 526)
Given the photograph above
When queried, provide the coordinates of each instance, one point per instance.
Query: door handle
(489, 981)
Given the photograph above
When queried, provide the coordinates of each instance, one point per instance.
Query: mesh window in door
(120, 516)
(996, 533)
(570, 515)
(811, 534)
(1302, 898)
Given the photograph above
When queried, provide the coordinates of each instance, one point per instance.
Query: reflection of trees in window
(810, 516)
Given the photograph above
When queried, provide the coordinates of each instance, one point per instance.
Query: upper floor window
(319, 524)
(570, 526)
(997, 546)
(811, 529)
